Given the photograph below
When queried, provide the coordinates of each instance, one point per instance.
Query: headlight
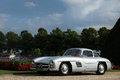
(51, 64)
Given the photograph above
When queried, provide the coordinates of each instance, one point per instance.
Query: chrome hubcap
(101, 68)
(64, 68)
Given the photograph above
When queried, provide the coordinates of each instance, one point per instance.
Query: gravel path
(83, 76)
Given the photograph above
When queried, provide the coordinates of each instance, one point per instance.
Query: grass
(18, 72)
(113, 71)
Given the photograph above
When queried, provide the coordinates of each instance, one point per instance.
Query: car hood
(59, 58)
(44, 59)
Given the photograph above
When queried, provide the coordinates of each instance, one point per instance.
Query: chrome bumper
(44, 69)
(39, 69)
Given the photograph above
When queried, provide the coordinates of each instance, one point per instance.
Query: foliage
(26, 42)
(12, 41)
(40, 40)
(2, 42)
(89, 38)
(23, 63)
(71, 39)
(117, 67)
(37, 52)
(56, 41)
(103, 35)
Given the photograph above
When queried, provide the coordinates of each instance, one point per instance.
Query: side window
(87, 54)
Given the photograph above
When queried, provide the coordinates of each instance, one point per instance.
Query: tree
(2, 41)
(112, 46)
(12, 40)
(89, 38)
(41, 39)
(55, 42)
(37, 52)
(26, 42)
(103, 34)
(71, 39)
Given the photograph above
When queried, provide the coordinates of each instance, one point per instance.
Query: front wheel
(64, 69)
(101, 69)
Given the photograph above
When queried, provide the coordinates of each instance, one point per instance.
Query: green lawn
(113, 71)
(13, 72)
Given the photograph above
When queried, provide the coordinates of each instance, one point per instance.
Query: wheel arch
(68, 62)
(103, 62)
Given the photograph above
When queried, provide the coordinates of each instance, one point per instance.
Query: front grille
(41, 65)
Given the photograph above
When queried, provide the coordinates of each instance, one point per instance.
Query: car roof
(81, 48)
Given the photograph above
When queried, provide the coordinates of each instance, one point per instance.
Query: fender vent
(78, 64)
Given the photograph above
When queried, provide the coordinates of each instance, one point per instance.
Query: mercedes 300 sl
(73, 60)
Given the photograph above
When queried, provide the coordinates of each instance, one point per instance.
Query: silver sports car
(73, 60)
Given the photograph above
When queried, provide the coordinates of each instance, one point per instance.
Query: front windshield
(72, 52)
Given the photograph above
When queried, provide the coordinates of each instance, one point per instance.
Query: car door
(90, 62)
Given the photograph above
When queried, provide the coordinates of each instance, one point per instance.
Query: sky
(18, 15)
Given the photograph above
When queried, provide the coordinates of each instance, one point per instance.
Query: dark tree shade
(71, 39)
(89, 38)
(26, 42)
(103, 34)
(2, 41)
(12, 40)
(112, 46)
(41, 39)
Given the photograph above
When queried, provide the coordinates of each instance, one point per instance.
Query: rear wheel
(64, 69)
(101, 69)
